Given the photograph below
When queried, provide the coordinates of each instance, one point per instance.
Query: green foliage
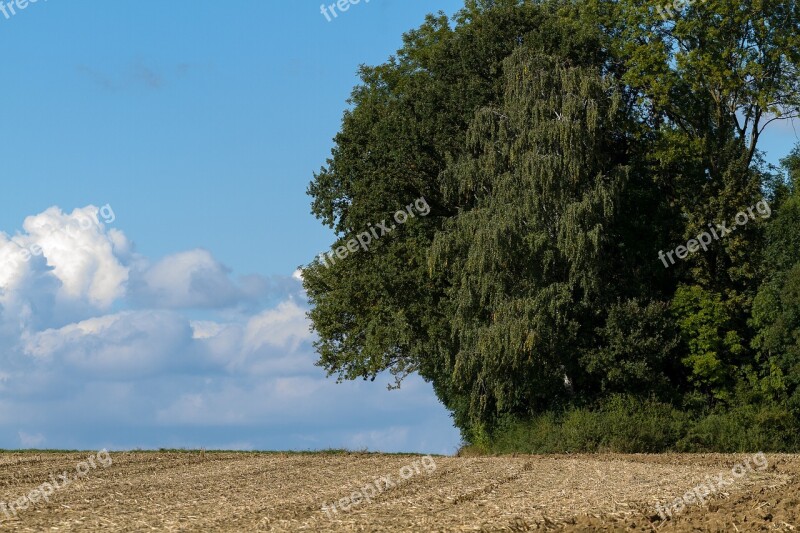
(628, 425)
(718, 69)
(706, 327)
(524, 260)
(636, 349)
(624, 424)
(743, 429)
(561, 146)
(386, 310)
(776, 309)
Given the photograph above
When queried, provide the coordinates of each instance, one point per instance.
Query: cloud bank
(105, 347)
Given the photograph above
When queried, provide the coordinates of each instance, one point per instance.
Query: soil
(222, 491)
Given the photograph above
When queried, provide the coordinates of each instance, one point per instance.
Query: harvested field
(190, 491)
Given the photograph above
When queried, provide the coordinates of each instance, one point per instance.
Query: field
(222, 491)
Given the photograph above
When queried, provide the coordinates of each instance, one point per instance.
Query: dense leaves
(561, 146)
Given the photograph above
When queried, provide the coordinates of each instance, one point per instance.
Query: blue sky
(172, 318)
(200, 124)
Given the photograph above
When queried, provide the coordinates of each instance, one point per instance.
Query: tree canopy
(561, 147)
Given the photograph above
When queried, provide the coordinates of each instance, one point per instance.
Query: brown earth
(190, 491)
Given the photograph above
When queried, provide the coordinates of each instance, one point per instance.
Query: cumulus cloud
(79, 253)
(194, 279)
(105, 346)
(121, 345)
(188, 280)
(75, 249)
(283, 326)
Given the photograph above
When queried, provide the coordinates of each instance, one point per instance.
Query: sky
(154, 163)
(156, 158)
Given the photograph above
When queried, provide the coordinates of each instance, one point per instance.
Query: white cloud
(123, 344)
(12, 266)
(206, 329)
(192, 279)
(102, 345)
(79, 253)
(284, 326)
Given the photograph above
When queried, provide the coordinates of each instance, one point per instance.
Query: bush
(743, 429)
(635, 426)
(624, 424)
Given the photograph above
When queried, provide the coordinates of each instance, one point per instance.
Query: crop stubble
(184, 491)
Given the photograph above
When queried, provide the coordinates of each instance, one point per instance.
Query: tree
(776, 311)
(710, 77)
(560, 146)
(385, 310)
(526, 263)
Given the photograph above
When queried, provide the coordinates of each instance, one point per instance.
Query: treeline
(564, 148)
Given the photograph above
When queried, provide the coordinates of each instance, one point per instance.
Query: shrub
(624, 424)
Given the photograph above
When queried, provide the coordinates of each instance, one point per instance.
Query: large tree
(560, 146)
(710, 77)
(385, 309)
(776, 312)
(527, 264)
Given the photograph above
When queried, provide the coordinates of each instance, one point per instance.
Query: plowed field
(190, 491)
